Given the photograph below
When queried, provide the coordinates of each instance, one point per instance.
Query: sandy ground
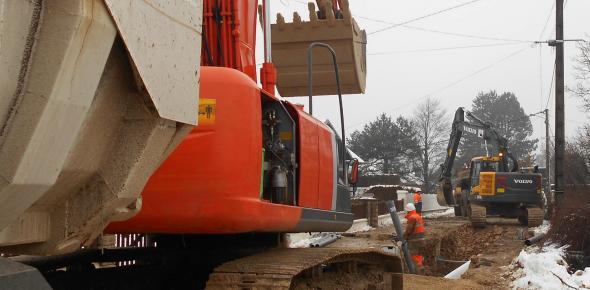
(490, 250)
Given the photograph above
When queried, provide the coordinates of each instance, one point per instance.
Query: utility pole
(559, 103)
(548, 195)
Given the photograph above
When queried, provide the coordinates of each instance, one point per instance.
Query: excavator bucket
(332, 24)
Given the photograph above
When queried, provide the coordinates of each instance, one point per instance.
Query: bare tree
(432, 127)
(582, 74)
(577, 157)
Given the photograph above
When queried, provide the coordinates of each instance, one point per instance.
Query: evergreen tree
(386, 145)
(509, 120)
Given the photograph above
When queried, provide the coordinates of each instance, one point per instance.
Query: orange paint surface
(316, 162)
(211, 182)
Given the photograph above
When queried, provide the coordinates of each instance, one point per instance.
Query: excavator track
(534, 216)
(477, 216)
(280, 268)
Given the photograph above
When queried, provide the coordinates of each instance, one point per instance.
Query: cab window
(475, 170)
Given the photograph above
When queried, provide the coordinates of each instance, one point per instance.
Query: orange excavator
(213, 213)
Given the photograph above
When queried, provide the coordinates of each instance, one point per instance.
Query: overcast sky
(399, 77)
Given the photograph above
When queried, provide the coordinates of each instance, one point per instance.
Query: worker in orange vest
(418, 201)
(414, 234)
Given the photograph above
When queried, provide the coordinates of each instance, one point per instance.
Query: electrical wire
(443, 48)
(480, 70)
(550, 88)
(541, 74)
(547, 21)
(422, 17)
(471, 36)
(553, 30)
(525, 117)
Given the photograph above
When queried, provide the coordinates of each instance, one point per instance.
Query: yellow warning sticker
(207, 110)
(286, 135)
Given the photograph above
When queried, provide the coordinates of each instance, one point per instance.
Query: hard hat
(418, 189)
(410, 207)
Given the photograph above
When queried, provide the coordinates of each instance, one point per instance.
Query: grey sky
(399, 79)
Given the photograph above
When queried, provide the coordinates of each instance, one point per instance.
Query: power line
(547, 21)
(471, 36)
(480, 70)
(422, 17)
(541, 75)
(550, 87)
(465, 35)
(442, 48)
(525, 117)
(477, 71)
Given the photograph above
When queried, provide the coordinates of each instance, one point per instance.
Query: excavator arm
(458, 128)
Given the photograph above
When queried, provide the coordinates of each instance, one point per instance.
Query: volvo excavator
(491, 184)
(138, 151)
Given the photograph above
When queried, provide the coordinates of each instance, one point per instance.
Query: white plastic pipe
(457, 273)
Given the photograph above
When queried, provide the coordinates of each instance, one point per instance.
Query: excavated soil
(490, 250)
(342, 281)
(418, 282)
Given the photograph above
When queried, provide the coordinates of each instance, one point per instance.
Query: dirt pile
(466, 242)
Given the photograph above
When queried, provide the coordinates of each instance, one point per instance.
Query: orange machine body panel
(317, 169)
(211, 184)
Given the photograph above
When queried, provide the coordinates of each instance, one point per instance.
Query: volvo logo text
(523, 181)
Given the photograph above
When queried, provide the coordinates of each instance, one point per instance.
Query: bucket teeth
(280, 19)
(313, 15)
(296, 18)
(345, 9)
(329, 12)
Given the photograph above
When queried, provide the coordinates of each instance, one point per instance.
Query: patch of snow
(434, 215)
(542, 229)
(545, 268)
(362, 228)
(367, 198)
(385, 220)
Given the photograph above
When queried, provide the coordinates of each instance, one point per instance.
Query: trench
(461, 243)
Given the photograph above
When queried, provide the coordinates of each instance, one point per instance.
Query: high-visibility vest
(418, 260)
(417, 198)
(413, 216)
